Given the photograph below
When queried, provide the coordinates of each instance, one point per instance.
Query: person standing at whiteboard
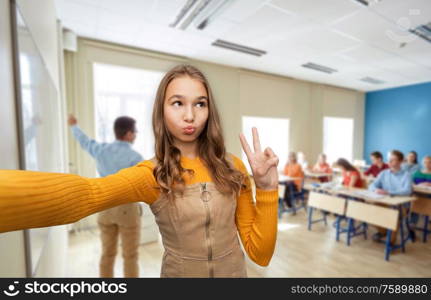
(124, 220)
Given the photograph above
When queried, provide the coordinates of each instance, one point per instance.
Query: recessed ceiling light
(320, 68)
(238, 48)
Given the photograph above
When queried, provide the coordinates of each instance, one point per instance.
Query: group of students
(396, 177)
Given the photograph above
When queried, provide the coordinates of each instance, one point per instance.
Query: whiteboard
(38, 107)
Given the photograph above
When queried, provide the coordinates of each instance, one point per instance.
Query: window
(122, 91)
(338, 138)
(273, 132)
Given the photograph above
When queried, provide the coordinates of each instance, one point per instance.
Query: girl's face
(411, 158)
(185, 109)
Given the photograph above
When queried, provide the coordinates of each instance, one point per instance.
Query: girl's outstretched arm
(38, 199)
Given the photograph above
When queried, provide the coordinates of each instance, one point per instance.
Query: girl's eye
(177, 103)
(201, 104)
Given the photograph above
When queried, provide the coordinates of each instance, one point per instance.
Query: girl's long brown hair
(168, 171)
(342, 162)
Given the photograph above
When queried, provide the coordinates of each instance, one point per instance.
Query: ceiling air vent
(423, 31)
(372, 80)
(367, 2)
(319, 68)
(239, 48)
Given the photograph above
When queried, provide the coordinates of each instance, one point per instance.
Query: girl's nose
(188, 114)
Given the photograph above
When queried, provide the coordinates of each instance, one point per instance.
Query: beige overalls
(199, 233)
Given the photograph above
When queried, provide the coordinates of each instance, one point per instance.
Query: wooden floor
(299, 253)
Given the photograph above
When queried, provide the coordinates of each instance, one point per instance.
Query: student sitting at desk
(322, 167)
(393, 181)
(377, 166)
(411, 165)
(424, 177)
(292, 169)
(351, 175)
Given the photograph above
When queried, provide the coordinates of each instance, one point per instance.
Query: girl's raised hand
(263, 163)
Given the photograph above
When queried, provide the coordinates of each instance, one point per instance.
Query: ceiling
(358, 41)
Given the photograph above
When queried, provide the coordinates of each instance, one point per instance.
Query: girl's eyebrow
(182, 97)
(176, 96)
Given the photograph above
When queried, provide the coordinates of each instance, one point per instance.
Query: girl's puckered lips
(189, 130)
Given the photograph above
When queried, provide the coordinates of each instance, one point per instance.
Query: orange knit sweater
(39, 199)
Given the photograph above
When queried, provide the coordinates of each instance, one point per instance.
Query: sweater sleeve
(257, 222)
(39, 199)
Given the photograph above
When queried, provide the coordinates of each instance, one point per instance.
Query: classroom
(315, 114)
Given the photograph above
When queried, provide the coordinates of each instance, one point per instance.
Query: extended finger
(256, 141)
(245, 145)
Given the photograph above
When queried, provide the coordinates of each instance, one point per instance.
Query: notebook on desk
(369, 194)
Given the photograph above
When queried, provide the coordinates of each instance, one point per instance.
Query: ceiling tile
(325, 11)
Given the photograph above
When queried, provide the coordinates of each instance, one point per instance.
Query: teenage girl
(351, 175)
(200, 195)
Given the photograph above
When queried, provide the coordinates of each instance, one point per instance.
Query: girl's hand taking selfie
(263, 163)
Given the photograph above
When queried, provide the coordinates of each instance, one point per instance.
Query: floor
(299, 253)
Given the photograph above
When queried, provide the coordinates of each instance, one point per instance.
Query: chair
(295, 196)
(298, 197)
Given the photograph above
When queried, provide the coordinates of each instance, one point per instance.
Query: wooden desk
(386, 200)
(317, 175)
(356, 193)
(282, 179)
(422, 189)
(372, 212)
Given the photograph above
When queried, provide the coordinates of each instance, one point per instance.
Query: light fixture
(372, 80)
(320, 68)
(367, 2)
(423, 31)
(238, 48)
(216, 11)
(200, 12)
